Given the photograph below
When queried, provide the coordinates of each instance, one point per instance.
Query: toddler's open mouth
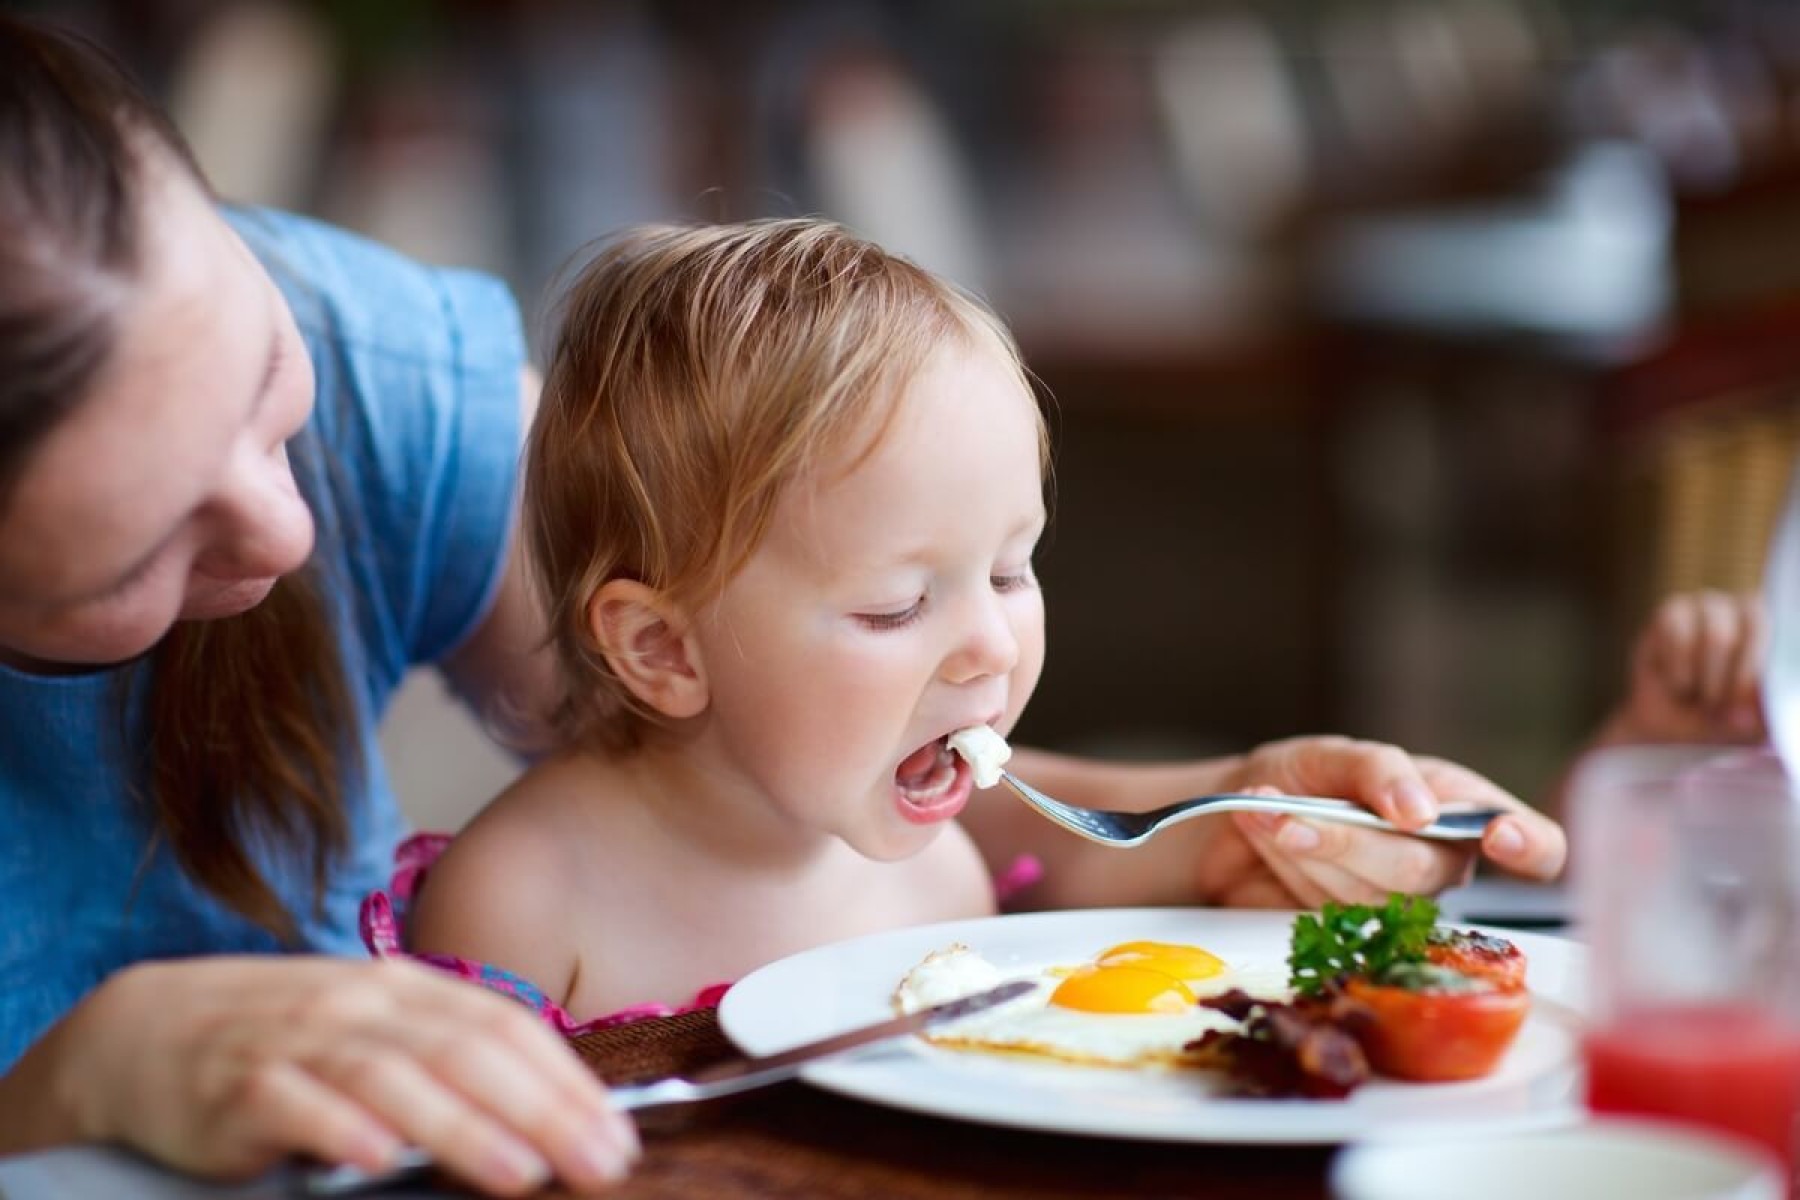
(935, 781)
(928, 775)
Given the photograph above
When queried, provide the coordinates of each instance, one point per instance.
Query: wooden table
(794, 1140)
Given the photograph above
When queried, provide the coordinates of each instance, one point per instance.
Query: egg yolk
(1122, 989)
(1190, 964)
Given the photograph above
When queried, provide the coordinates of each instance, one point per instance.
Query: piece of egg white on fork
(984, 750)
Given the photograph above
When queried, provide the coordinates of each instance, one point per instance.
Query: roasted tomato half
(1432, 1025)
(1479, 955)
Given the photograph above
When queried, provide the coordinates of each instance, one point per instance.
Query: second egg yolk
(1190, 964)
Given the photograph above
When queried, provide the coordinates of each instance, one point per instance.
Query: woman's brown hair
(696, 373)
(249, 729)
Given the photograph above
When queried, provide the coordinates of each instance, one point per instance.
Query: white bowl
(1642, 1160)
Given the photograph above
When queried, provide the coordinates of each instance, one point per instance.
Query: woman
(251, 470)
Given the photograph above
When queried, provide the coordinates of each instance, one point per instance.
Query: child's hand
(1695, 672)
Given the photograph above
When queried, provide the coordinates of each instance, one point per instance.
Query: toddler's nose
(989, 647)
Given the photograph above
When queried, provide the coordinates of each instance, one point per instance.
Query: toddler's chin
(898, 845)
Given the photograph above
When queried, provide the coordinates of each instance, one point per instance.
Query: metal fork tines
(1128, 828)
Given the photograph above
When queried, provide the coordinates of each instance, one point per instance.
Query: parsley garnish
(1358, 939)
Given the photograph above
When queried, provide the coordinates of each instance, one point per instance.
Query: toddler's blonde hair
(697, 372)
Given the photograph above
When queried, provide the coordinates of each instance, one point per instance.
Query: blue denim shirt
(412, 451)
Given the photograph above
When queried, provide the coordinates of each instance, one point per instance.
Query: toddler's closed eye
(894, 620)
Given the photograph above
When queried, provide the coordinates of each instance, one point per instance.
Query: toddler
(781, 496)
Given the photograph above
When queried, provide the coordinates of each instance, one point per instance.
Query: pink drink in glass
(1731, 1068)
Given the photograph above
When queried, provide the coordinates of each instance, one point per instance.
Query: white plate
(837, 987)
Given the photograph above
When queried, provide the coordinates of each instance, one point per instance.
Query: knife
(721, 1079)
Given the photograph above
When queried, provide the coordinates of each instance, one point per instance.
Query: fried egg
(1131, 1005)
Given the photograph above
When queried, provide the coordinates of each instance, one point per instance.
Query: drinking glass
(1687, 878)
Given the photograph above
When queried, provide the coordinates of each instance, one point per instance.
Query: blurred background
(1400, 353)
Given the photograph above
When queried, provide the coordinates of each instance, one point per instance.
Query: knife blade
(721, 1079)
(742, 1074)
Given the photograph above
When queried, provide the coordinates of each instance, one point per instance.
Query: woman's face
(166, 494)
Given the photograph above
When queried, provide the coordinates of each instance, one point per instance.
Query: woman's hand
(225, 1066)
(1259, 861)
(1288, 861)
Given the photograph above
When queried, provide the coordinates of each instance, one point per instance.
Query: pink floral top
(384, 917)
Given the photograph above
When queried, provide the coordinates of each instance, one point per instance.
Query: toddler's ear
(646, 642)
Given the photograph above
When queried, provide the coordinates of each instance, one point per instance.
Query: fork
(1129, 828)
